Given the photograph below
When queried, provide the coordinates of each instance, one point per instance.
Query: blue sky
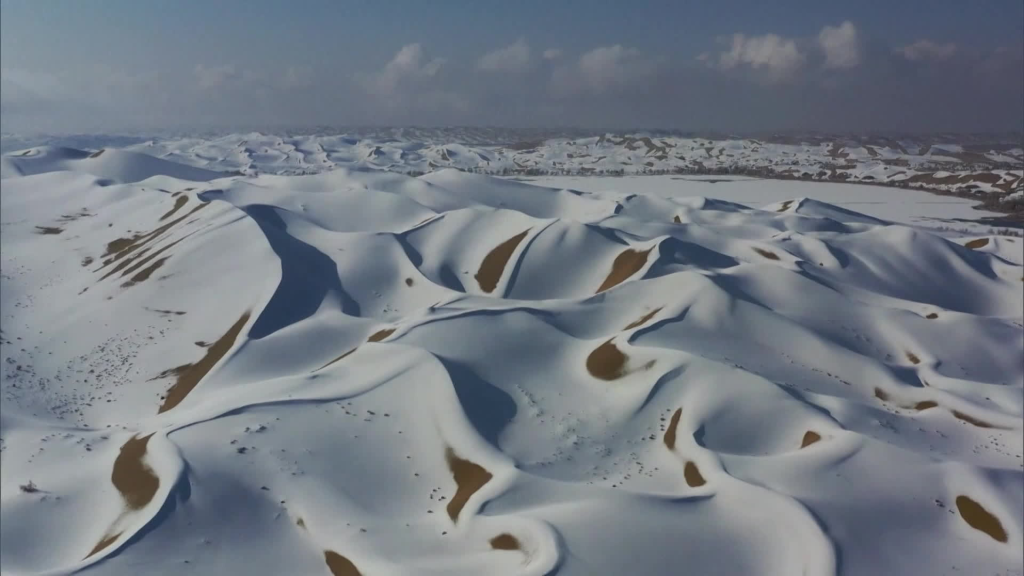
(751, 65)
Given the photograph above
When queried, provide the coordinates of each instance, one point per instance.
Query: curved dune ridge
(369, 373)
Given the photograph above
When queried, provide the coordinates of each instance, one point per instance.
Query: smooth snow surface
(361, 372)
(914, 207)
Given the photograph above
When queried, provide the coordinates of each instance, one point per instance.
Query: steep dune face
(366, 373)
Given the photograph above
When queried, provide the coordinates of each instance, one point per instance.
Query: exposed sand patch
(72, 217)
(375, 337)
(181, 201)
(785, 206)
(505, 542)
(975, 244)
(881, 395)
(606, 362)
(670, 434)
(339, 565)
(189, 375)
(138, 261)
(122, 265)
(810, 437)
(337, 359)
(103, 543)
(145, 274)
(132, 477)
(971, 420)
(121, 247)
(767, 254)
(168, 312)
(925, 405)
(693, 476)
(980, 519)
(913, 358)
(837, 152)
(494, 263)
(48, 230)
(301, 523)
(643, 320)
(380, 335)
(932, 316)
(626, 264)
(469, 477)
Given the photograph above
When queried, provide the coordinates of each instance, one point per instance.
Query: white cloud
(840, 45)
(779, 56)
(602, 70)
(409, 64)
(19, 84)
(552, 54)
(927, 50)
(215, 76)
(298, 77)
(513, 58)
(411, 85)
(611, 66)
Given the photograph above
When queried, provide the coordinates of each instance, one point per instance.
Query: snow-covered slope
(361, 372)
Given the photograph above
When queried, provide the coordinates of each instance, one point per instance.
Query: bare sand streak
(121, 247)
(494, 263)
(670, 434)
(181, 201)
(103, 543)
(643, 320)
(627, 263)
(189, 375)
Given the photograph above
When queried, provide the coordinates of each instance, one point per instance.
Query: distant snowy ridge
(978, 168)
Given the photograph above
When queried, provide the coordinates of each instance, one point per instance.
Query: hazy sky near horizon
(872, 65)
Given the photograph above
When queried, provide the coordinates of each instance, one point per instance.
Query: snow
(913, 207)
(990, 168)
(462, 374)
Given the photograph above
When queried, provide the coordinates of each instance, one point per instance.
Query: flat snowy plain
(902, 205)
(361, 372)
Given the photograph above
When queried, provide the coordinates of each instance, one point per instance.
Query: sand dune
(361, 372)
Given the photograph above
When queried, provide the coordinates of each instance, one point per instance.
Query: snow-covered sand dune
(361, 372)
(967, 167)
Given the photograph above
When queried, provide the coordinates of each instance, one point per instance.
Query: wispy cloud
(510, 59)
(601, 70)
(927, 50)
